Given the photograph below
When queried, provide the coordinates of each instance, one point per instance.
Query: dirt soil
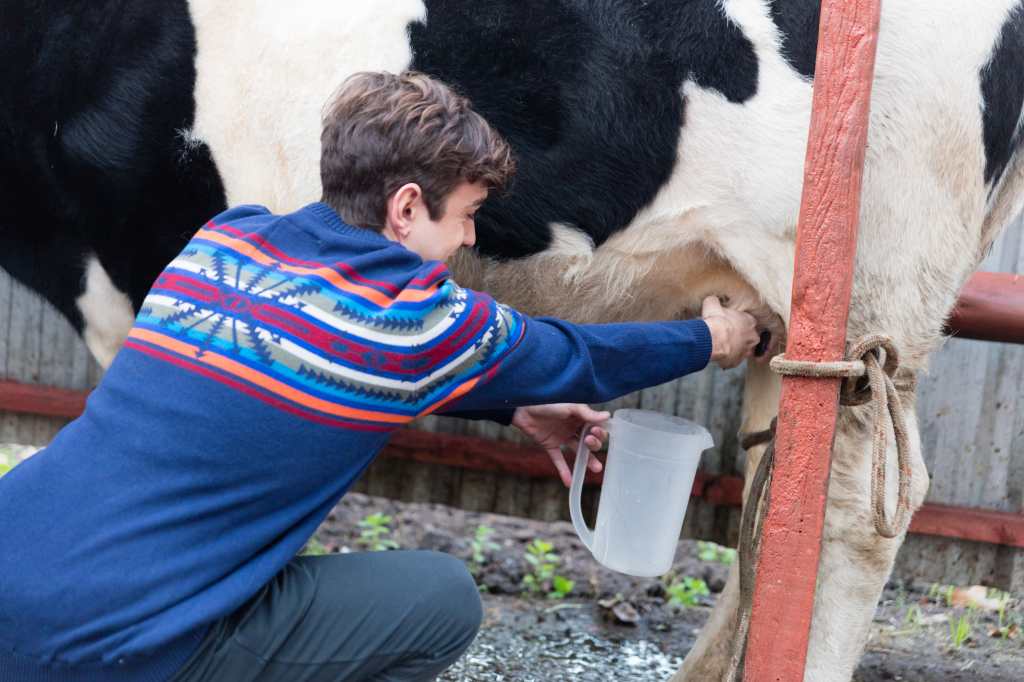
(613, 626)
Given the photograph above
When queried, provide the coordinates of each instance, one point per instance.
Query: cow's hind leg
(710, 656)
(855, 560)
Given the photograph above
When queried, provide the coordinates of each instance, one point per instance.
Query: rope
(884, 397)
(750, 542)
(881, 388)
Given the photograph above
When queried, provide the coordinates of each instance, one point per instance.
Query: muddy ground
(612, 626)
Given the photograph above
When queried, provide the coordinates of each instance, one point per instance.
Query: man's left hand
(557, 425)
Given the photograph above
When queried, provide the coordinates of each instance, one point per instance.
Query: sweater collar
(331, 218)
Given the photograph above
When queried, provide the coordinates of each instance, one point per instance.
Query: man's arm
(556, 361)
(725, 336)
(498, 359)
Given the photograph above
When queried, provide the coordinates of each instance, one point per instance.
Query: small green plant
(959, 630)
(900, 602)
(560, 586)
(687, 592)
(709, 551)
(314, 548)
(913, 620)
(481, 545)
(542, 578)
(375, 533)
(941, 593)
(1010, 621)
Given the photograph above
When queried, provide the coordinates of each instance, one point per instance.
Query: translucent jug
(648, 477)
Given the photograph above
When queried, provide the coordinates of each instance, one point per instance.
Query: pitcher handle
(579, 472)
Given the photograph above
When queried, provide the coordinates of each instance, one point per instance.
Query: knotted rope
(863, 361)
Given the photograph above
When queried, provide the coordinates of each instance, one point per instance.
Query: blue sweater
(266, 368)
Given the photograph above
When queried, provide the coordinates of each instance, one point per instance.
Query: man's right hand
(733, 334)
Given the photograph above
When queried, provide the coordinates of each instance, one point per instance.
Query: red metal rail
(481, 454)
(48, 401)
(990, 308)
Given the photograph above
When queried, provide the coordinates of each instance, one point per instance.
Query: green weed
(542, 578)
(941, 593)
(687, 592)
(709, 551)
(313, 548)
(960, 630)
(376, 532)
(481, 545)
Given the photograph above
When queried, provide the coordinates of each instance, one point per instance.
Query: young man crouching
(267, 367)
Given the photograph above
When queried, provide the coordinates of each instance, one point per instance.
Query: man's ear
(403, 206)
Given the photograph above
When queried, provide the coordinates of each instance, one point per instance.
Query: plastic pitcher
(648, 477)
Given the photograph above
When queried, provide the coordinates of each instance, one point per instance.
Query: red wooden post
(826, 242)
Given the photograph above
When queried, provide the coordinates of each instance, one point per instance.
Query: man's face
(441, 238)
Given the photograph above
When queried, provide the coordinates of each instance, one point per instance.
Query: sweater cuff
(702, 332)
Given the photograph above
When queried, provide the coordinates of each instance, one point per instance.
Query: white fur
(265, 70)
(574, 247)
(107, 313)
(189, 143)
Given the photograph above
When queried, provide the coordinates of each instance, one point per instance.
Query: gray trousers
(404, 615)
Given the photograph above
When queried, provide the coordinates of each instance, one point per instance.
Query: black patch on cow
(797, 21)
(587, 92)
(1002, 91)
(95, 96)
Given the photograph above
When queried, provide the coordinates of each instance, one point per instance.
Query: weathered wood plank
(37, 345)
(24, 342)
(6, 301)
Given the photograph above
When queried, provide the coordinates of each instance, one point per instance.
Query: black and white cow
(660, 146)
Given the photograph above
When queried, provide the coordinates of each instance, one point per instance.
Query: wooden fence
(970, 408)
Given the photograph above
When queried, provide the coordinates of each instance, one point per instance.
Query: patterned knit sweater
(265, 370)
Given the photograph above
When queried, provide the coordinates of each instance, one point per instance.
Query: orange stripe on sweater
(332, 276)
(462, 390)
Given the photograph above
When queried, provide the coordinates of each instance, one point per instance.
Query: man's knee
(451, 594)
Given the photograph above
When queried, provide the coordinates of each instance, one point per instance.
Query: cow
(660, 145)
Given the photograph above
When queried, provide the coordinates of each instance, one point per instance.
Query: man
(155, 538)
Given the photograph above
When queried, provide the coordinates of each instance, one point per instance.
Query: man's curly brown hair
(382, 130)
